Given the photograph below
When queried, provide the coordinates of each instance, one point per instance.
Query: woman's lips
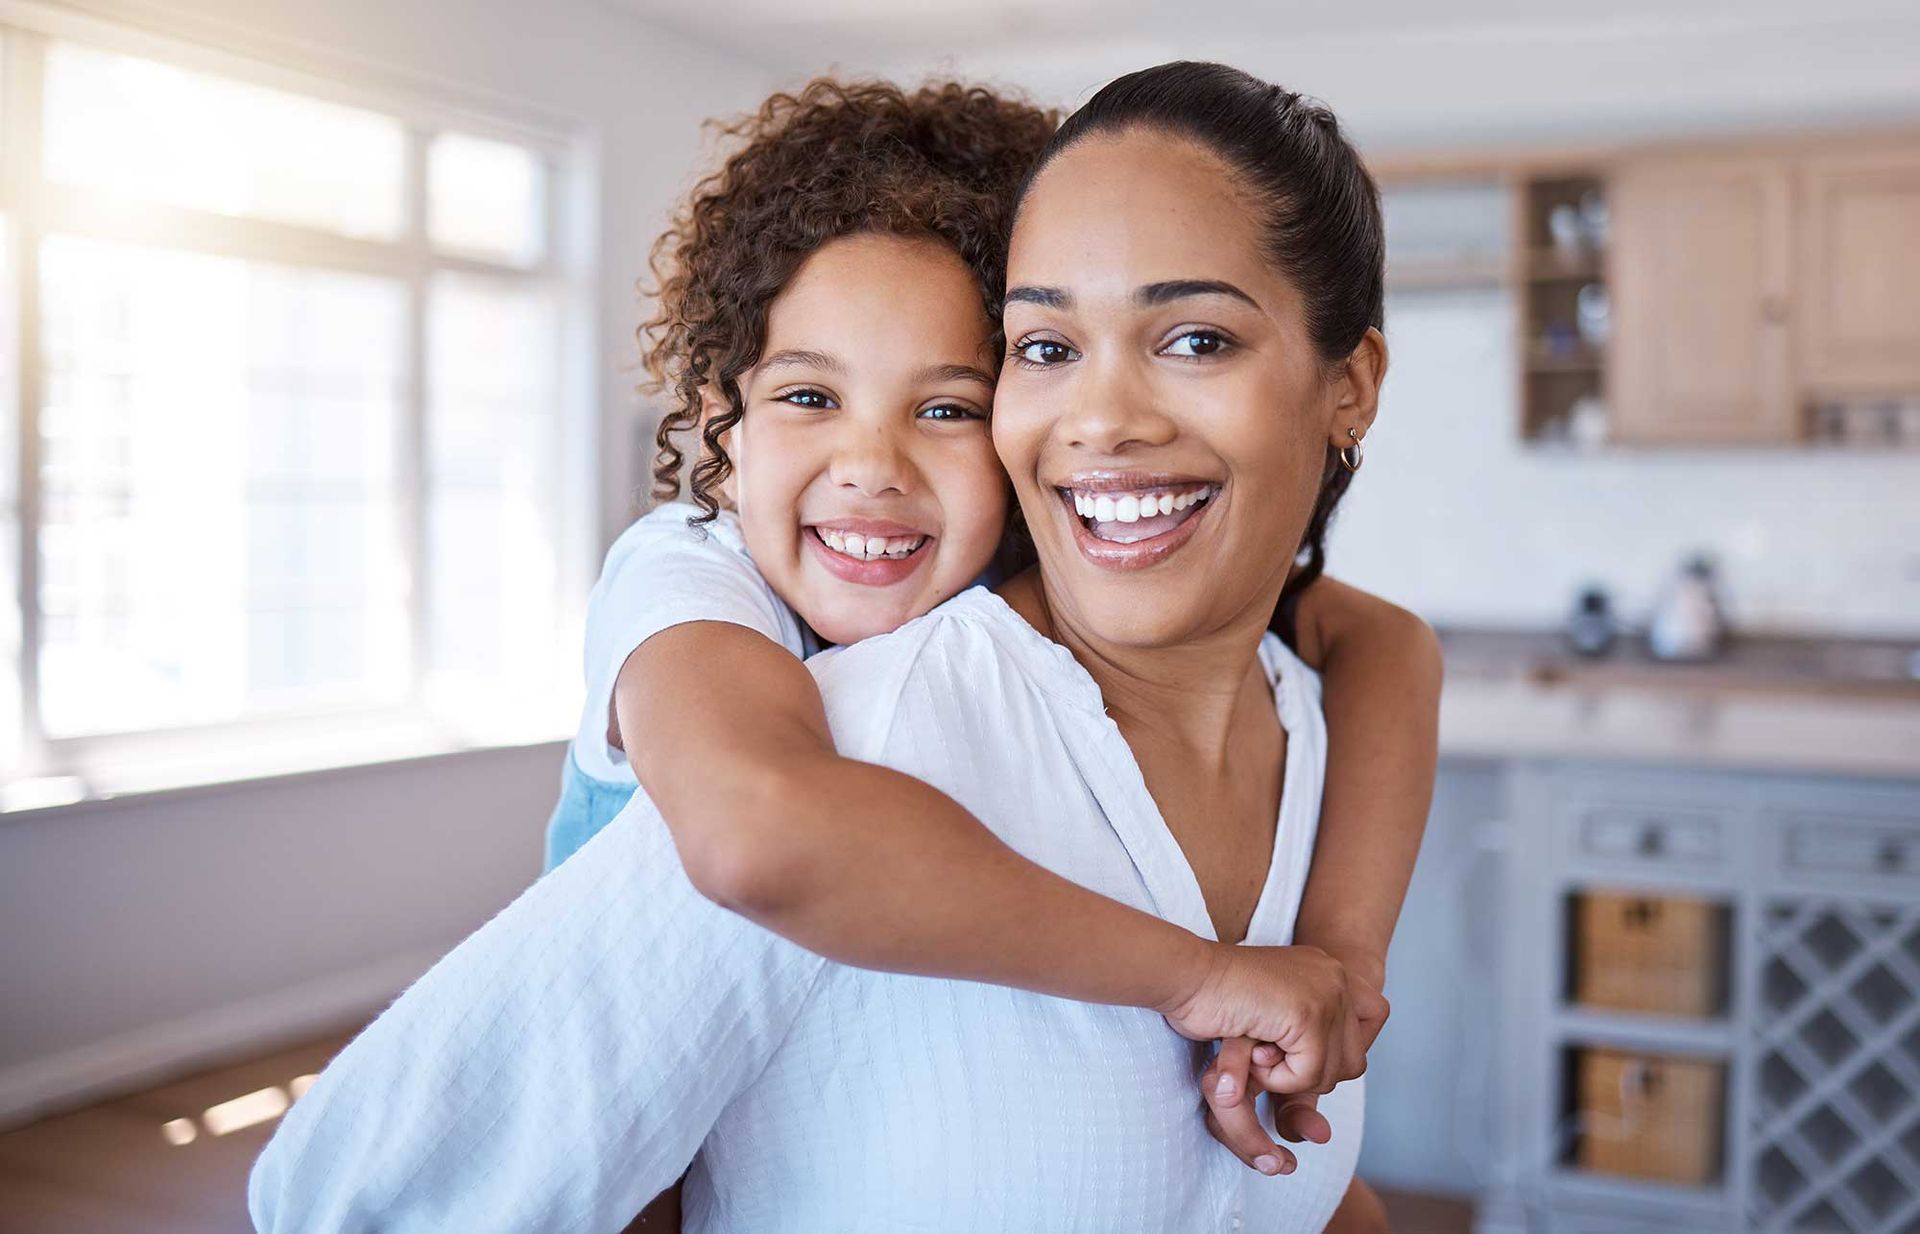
(878, 571)
(1137, 526)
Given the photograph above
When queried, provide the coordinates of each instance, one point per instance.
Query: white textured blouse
(567, 1062)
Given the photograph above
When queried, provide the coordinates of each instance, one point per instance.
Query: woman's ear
(1358, 390)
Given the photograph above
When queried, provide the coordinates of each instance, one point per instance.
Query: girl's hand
(1300, 999)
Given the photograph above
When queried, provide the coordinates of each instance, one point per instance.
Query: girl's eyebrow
(952, 372)
(797, 358)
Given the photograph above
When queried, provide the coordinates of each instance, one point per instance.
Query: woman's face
(864, 472)
(1162, 412)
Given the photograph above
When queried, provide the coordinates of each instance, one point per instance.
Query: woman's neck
(1194, 695)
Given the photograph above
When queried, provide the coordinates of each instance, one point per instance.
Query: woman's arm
(1381, 667)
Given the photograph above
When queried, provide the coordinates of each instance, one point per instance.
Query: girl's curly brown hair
(835, 159)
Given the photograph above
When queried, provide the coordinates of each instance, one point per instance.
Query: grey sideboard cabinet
(1817, 1035)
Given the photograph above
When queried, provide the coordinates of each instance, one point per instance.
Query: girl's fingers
(1232, 1116)
(1299, 1118)
(1225, 1082)
(1257, 1151)
(1266, 1054)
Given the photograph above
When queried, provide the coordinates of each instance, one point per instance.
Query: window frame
(94, 766)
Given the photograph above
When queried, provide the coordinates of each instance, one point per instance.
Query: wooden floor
(112, 1168)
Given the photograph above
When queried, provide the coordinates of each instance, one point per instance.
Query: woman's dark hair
(1321, 210)
(835, 159)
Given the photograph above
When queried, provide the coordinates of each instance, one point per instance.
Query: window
(282, 428)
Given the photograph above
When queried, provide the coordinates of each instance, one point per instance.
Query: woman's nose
(871, 460)
(1114, 412)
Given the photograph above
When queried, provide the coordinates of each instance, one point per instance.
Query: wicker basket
(1650, 1115)
(1660, 954)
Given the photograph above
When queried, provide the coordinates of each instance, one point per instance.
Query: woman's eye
(806, 398)
(950, 411)
(1041, 351)
(1196, 343)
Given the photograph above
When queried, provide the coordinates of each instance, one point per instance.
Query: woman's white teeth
(1132, 507)
(869, 548)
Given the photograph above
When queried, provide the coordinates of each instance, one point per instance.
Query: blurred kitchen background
(318, 411)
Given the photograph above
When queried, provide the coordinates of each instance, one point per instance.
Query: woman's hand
(1300, 999)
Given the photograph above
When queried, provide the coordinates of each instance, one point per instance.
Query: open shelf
(1562, 253)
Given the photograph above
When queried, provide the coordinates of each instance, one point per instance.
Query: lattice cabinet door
(1833, 1136)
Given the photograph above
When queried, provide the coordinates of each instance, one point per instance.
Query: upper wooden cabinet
(1701, 278)
(1858, 299)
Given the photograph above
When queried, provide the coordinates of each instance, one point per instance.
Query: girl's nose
(871, 460)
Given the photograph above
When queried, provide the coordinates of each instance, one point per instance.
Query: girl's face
(864, 472)
(1163, 412)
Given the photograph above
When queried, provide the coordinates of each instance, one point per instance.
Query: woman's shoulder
(970, 656)
(1296, 684)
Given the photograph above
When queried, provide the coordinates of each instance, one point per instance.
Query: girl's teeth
(1127, 509)
(1103, 509)
(870, 548)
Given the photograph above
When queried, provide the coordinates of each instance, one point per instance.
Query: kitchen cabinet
(1858, 301)
(1761, 291)
(1801, 1107)
(1701, 279)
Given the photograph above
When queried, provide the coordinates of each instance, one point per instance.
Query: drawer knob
(1653, 842)
(1891, 858)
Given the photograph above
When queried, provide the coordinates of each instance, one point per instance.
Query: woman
(1193, 311)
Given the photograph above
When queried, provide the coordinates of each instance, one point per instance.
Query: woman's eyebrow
(794, 357)
(934, 373)
(1154, 294)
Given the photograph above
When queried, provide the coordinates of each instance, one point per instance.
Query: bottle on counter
(1689, 623)
(1591, 628)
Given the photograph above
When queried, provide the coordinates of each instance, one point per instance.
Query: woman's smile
(1131, 520)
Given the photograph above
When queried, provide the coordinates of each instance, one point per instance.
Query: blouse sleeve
(555, 1071)
(659, 574)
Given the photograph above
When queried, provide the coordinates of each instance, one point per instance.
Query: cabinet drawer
(1835, 848)
(1651, 836)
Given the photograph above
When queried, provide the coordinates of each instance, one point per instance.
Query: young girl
(854, 452)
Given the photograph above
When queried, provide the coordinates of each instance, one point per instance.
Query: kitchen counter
(1786, 705)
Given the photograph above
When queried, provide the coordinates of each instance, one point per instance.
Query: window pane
(487, 199)
(493, 458)
(163, 134)
(9, 508)
(219, 529)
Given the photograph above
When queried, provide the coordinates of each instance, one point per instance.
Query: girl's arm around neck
(1381, 668)
(856, 862)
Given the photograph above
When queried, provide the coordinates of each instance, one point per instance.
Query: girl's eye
(1196, 343)
(1041, 352)
(806, 398)
(950, 412)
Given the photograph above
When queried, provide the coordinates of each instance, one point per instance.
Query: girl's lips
(875, 572)
(1139, 555)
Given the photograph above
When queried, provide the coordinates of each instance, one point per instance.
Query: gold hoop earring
(1352, 456)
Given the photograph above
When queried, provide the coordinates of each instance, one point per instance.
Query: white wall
(144, 934)
(1454, 517)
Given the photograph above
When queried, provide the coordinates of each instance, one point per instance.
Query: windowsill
(389, 745)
